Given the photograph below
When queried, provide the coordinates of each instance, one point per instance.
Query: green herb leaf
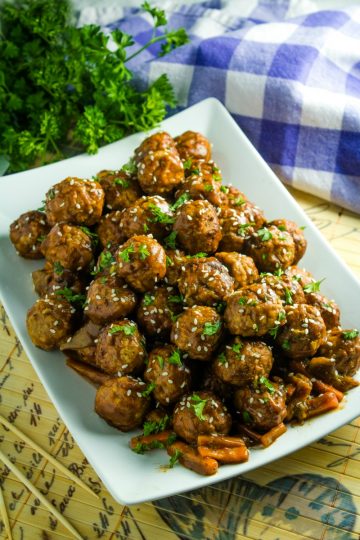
(314, 286)
(199, 255)
(180, 201)
(211, 328)
(208, 187)
(159, 216)
(288, 297)
(170, 240)
(125, 253)
(175, 458)
(175, 358)
(237, 347)
(264, 234)
(286, 344)
(122, 182)
(176, 299)
(161, 361)
(58, 268)
(198, 404)
(143, 252)
(150, 387)
(70, 296)
(263, 380)
(224, 189)
(222, 358)
(350, 334)
(187, 164)
(106, 259)
(243, 228)
(246, 417)
(148, 299)
(156, 427)
(93, 236)
(127, 329)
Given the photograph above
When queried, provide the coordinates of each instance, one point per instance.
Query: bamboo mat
(311, 494)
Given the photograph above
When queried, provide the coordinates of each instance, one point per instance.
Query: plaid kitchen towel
(291, 80)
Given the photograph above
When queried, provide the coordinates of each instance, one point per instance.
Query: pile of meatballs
(172, 292)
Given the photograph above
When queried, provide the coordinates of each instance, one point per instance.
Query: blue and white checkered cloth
(291, 81)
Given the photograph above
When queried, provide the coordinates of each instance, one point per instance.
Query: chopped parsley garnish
(148, 299)
(351, 334)
(130, 168)
(50, 194)
(217, 177)
(246, 417)
(281, 227)
(156, 427)
(159, 216)
(313, 286)
(224, 189)
(127, 329)
(198, 404)
(278, 272)
(264, 256)
(122, 182)
(125, 253)
(58, 268)
(237, 347)
(175, 358)
(106, 259)
(265, 381)
(42, 208)
(103, 280)
(222, 358)
(187, 163)
(175, 458)
(239, 201)
(288, 297)
(169, 261)
(273, 332)
(176, 299)
(41, 238)
(264, 234)
(220, 307)
(302, 228)
(161, 361)
(242, 301)
(145, 228)
(150, 387)
(286, 344)
(211, 328)
(71, 296)
(208, 187)
(199, 255)
(180, 201)
(93, 236)
(143, 252)
(170, 240)
(243, 228)
(141, 448)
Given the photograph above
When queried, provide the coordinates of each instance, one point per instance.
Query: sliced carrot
(147, 440)
(88, 372)
(219, 441)
(322, 388)
(321, 404)
(236, 454)
(191, 459)
(268, 438)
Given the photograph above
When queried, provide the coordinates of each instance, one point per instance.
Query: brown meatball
(197, 227)
(243, 361)
(121, 403)
(300, 274)
(108, 299)
(237, 199)
(157, 141)
(253, 311)
(271, 248)
(205, 281)
(49, 322)
(303, 332)
(169, 374)
(68, 245)
(262, 407)
(50, 279)
(157, 310)
(329, 310)
(288, 290)
(344, 347)
(150, 215)
(241, 268)
(193, 145)
(197, 331)
(175, 261)
(121, 189)
(201, 413)
(160, 172)
(27, 233)
(297, 235)
(120, 348)
(235, 229)
(141, 261)
(109, 230)
(76, 201)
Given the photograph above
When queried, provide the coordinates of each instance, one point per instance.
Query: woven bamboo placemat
(311, 494)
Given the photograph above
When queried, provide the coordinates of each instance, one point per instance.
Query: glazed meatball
(193, 145)
(168, 373)
(201, 413)
(197, 227)
(288, 290)
(329, 310)
(242, 362)
(157, 310)
(203, 186)
(253, 311)
(49, 322)
(175, 261)
(205, 281)
(121, 189)
(109, 230)
(50, 279)
(158, 141)
(120, 348)
(237, 199)
(271, 248)
(141, 261)
(262, 407)
(297, 235)
(76, 201)
(28, 232)
(241, 268)
(300, 274)
(235, 229)
(160, 172)
(150, 215)
(303, 332)
(197, 331)
(69, 246)
(109, 298)
(344, 347)
(121, 403)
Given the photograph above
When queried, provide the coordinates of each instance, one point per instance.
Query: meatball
(175, 261)
(27, 233)
(344, 347)
(120, 401)
(109, 230)
(150, 215)
(69, 246)
(262, 407)
(288, 290)
(160, 171)
(235, 229)
(108, 299)
(197, 331)
(76, 201)
(50, 279)
(206, 282)
(271, 248)
(197, 227)
(253, 311)
(300, 274)
(193, 145)
(241, 268)
(236, 199)
(141, 261)
(157, 310)
(120, 348)
(243, 362)
(329, 310)
(49, 322)
(168, 373)
(158, 141)
(200, 414)
(297, 235)
(303, 332)
(121, 189)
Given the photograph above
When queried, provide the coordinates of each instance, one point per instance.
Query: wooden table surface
(313, 493)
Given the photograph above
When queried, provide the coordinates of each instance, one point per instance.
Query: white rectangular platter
(129, 477)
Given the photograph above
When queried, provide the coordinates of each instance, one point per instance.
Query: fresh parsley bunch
(62, 90)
